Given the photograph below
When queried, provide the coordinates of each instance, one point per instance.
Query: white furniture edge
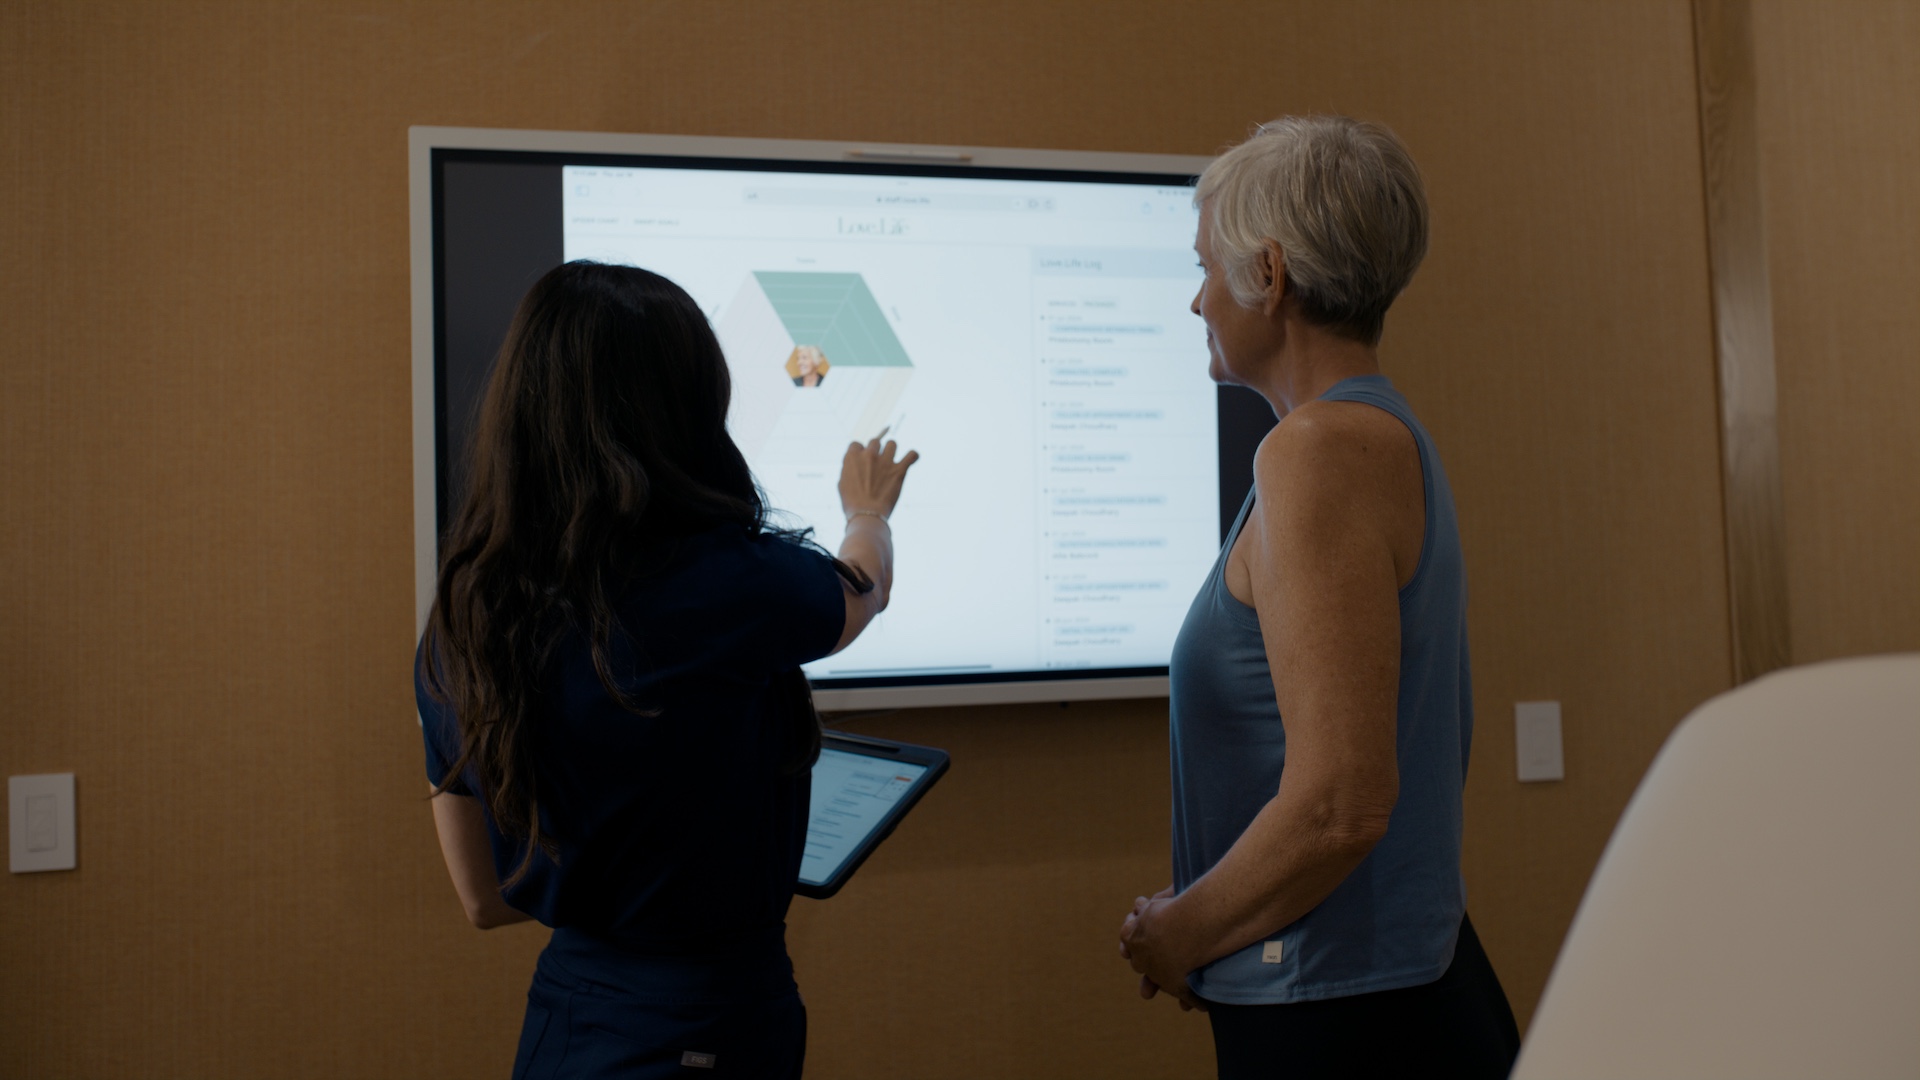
(1581, 1030)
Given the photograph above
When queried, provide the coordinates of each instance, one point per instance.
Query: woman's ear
(1273, 270)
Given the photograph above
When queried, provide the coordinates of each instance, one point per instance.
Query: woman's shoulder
(729, 560)
(724, 593)
(1333, 449)
(740, 544)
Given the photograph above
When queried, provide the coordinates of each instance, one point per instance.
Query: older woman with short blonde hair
(1321, 707)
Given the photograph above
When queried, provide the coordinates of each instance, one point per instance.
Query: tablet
(862, 787)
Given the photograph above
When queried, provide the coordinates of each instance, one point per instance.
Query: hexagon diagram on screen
(811, 354)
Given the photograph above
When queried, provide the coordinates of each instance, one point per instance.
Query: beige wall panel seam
(1743, 339)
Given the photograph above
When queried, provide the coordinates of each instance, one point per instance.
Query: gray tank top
(1393, 922)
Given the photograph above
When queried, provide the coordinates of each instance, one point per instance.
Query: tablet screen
(853, 795)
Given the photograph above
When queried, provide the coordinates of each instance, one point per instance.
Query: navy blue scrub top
(677, 833)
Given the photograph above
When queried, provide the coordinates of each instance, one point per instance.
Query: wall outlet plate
(40, 824)
(1536, 740)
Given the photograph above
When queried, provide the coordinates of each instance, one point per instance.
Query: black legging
(1458, 1026)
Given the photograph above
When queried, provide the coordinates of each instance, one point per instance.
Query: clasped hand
(1143, 943)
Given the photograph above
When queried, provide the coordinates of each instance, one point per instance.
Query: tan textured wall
(1840, 158)
(204, 459)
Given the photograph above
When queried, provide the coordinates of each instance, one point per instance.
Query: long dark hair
(603, 429)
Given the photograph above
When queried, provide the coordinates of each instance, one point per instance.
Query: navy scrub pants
(597, 1011)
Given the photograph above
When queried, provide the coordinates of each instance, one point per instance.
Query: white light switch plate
(1536, 740)
(40, 826)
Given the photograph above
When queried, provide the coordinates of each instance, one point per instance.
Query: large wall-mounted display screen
(1025, 326)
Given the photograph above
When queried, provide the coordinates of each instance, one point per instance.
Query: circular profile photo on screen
(807, 365)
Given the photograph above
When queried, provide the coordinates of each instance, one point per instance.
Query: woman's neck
(1309, 362)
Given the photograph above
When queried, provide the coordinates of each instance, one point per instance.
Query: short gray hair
(1344, 201)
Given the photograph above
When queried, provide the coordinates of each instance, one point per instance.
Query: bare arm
(1341, 514)
(870, 481)
(463, 843)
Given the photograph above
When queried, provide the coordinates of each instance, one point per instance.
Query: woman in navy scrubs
(617, 730)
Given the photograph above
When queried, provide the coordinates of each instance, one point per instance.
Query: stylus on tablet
(862, 787)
